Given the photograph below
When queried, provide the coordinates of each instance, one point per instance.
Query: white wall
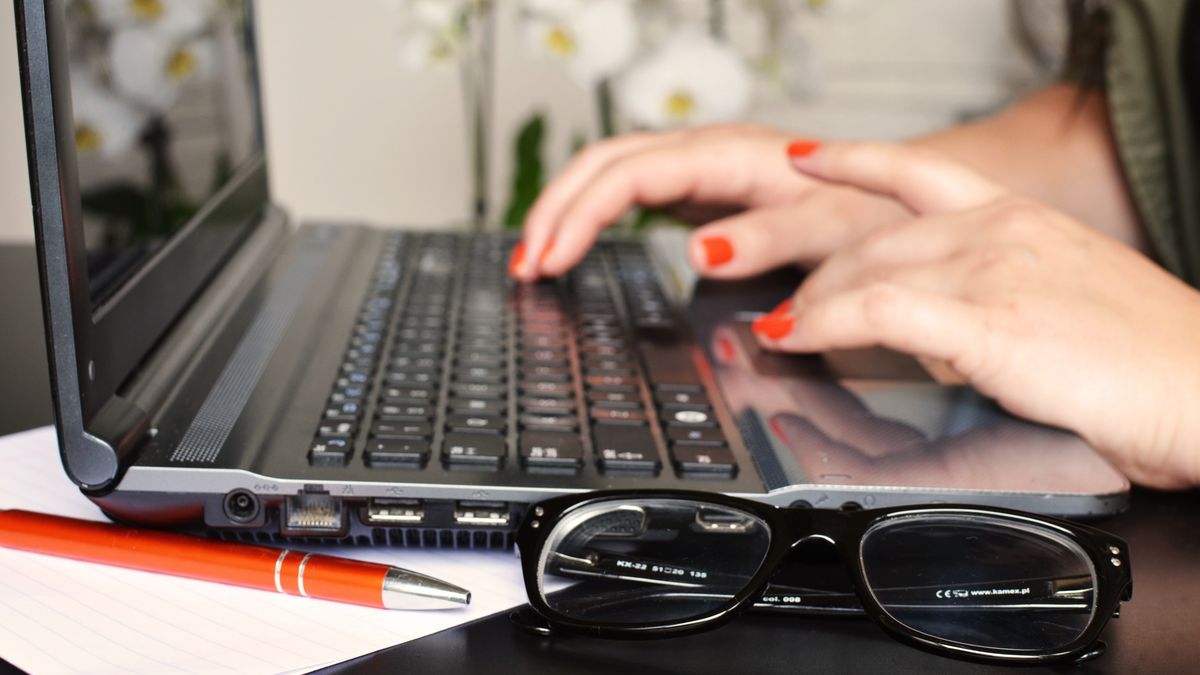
(353, 136)
(16, 218)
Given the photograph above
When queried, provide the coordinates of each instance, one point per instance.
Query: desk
(1158, 632)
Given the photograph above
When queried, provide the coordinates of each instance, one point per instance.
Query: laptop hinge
(114, 436)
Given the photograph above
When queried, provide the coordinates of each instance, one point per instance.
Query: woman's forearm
(1054, 146)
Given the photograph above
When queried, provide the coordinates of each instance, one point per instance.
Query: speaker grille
(206, 435)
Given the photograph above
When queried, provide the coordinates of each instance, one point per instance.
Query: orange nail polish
(802, 148)
(717, 251)
(518, 257)
(773, 328)
(776, 324)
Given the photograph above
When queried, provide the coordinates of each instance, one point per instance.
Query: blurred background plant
(646, 64)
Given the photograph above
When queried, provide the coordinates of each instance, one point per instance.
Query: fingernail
(518, 257)
(776, 324)
(546, 252)
(717, 251)
(802, 148)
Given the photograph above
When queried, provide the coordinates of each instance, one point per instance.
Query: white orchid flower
(105, 125)
(594, 38)
(691, 79)
(151, 68)
(437, 14)
(176, 18)
(422, 50)
(432, 33)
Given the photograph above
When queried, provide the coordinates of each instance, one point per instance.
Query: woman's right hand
(780, 217)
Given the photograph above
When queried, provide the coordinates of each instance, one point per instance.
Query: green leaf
(528, 170)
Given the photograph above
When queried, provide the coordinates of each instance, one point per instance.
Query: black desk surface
(1158, 632)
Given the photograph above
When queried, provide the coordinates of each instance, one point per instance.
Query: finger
(579, 171)
(881, 254)
(925, 181)
(723, 169)
(905, 319)
(804, 232)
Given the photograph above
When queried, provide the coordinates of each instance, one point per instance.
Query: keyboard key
(404, 377)
(551, 450)
(478, 390)
(484, 451)
(603, 350)
(418, 395)
(703, 460)
(406, 362)
(549, 422)
(545, 373)
(479, 406)
(689, 417)
(401, 429)
(541, 404)
(480, 374)
(625, 448)
(617, 415)
(337, 429)
(681, 398)
(347, 409)
(409, 453)
(330, 452)
(485, 360)
(615, 399)
(691, 435)
(410, 412)
(611, 382)
(477, 423)
(548, 389)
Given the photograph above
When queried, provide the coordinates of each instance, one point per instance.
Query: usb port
(395, 512)
(482, 514)
(314, 513)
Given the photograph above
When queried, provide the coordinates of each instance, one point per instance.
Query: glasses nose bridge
(804, 525)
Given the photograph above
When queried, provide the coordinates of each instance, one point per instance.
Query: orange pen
(268, 569)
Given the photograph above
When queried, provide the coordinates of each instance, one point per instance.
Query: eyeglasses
(978, 583)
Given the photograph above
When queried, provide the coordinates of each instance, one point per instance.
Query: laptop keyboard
(451, 362)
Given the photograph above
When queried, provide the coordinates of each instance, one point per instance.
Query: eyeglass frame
(845, 530)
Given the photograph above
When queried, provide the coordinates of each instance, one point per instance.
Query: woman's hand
(705, 173)
(1057, 322)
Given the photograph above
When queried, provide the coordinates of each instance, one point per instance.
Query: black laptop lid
(146, 170)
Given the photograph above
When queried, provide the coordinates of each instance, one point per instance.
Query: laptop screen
(165, 113)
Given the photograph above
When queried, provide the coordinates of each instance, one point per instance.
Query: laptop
(217, 368)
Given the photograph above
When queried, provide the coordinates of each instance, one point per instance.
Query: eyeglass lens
(642, 561)
(981, 581)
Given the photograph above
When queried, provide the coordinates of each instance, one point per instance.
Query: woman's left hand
(1055, 321)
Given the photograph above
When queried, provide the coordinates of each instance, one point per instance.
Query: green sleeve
(1153, 127)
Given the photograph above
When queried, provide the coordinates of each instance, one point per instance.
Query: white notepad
(64, 616)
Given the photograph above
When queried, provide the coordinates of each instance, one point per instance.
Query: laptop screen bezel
(112, 339)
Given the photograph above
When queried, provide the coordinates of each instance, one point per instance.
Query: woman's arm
(1055, 146)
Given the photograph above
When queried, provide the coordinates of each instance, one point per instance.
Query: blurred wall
(353, 136)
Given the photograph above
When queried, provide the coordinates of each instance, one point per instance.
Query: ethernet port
(313, 513)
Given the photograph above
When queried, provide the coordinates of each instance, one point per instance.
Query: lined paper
(65, 616)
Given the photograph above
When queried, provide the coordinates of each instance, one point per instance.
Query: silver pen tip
(405, 589)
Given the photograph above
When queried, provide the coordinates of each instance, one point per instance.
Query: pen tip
(405, 589)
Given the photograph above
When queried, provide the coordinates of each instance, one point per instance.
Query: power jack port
(241, 506)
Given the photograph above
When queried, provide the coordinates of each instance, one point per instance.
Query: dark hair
(1088, 44)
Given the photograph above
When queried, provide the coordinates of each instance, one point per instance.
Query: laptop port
(241, 506)
(482, 514)
(317, 513)
(395, 512)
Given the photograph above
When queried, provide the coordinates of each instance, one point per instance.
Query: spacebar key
(625, 448)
